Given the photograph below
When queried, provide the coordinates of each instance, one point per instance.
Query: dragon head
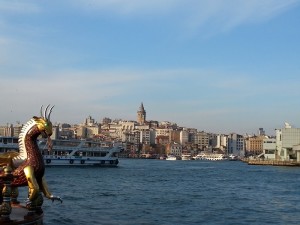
(43, 123)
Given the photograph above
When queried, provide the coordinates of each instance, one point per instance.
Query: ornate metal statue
(28, 164)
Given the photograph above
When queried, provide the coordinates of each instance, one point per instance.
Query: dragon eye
(46, 124)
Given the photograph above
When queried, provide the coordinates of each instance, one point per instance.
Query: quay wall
(271, 162)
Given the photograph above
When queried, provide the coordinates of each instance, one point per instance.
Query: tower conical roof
(142, 107)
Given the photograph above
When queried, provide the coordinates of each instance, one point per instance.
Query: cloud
(129, 7)
(15, 6)
(213, 16)
(75, 94)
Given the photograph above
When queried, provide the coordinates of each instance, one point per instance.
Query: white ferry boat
(71, 152)
(80, 153)
(210, 156)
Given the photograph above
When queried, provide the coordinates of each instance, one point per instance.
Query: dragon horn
(42, 111)
(50, 113)
(45, 113)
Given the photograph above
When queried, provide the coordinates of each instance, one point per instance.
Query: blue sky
(218, 66)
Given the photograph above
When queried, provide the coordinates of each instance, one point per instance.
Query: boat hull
(52, 161)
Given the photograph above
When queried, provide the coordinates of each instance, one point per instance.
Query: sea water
(150, 192)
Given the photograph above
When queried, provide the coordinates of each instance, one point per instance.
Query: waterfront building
(236, 144)
(141, 115)
(219, 142)
(254, 145)
(288, 143)
(174, 149)
(269, 148)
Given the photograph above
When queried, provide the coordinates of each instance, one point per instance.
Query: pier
(271, 162)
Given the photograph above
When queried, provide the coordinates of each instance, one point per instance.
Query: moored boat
(210, 157)
(186, 157)
(71, 152)
(80, 153)
(171, 157)
(233, 157)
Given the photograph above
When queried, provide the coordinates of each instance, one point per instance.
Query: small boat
(80, 153)
(171, 157)
(232, 157)
(162, 157)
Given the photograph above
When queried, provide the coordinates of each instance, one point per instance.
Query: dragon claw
(53, 198)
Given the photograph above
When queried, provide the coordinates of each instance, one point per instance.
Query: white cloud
(75, 94)
(129, 7)
(218, 15)
(15, 6)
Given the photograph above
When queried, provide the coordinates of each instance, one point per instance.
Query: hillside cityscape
(150, 139)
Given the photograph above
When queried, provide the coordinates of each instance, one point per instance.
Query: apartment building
(184, 137)
(174, 149)
(236, 144)
(219, 141)
(202, 140)
(254, 145)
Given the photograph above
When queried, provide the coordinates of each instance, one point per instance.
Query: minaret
(141, 115)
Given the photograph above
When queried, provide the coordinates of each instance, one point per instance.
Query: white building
(184, 137)
(269, 148)
(219, 141)
(128, 125)
(288, 143)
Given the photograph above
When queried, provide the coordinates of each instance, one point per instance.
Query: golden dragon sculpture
(28, 164)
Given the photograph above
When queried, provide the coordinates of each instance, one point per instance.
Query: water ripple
(154, 192)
